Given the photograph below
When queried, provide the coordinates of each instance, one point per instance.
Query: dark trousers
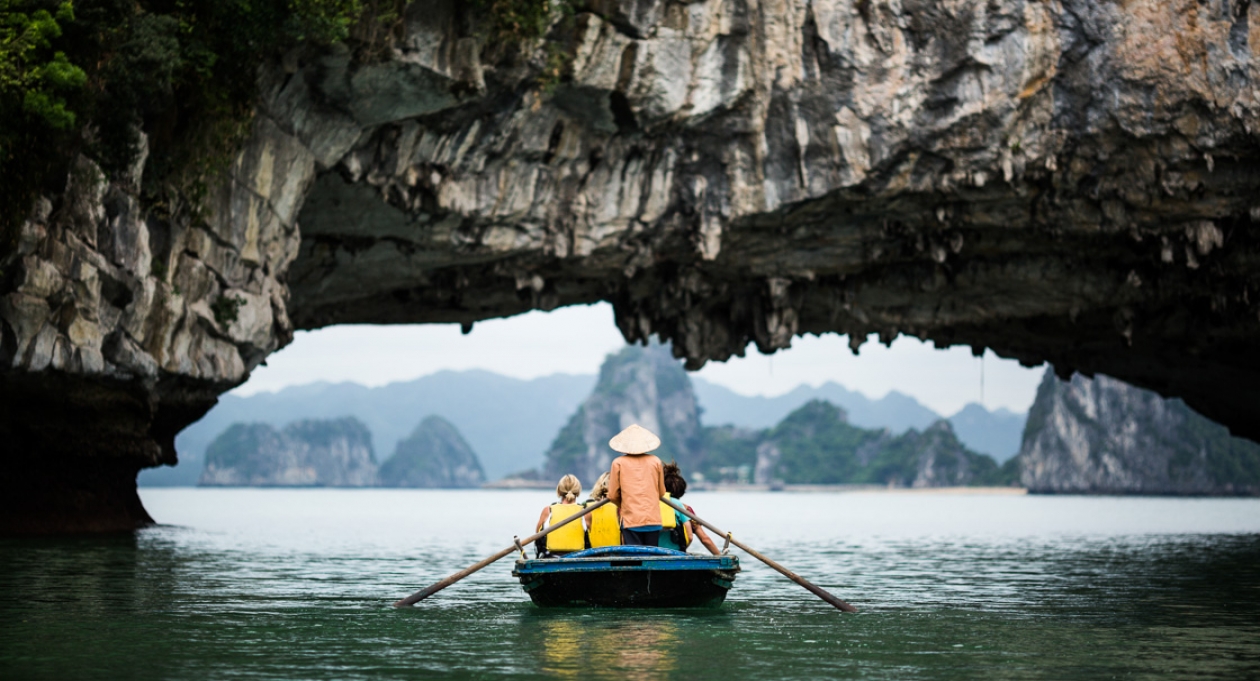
(631, 537)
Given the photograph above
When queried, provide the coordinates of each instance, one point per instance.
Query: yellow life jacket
(669, 538)
(570, 537)
(668, 519)
(605, 528)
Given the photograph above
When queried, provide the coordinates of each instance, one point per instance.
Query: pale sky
(575, 340)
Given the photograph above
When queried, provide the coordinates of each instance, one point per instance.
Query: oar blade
(432, 589)
(816, 590)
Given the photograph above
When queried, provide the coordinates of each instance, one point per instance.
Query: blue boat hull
(628, 577)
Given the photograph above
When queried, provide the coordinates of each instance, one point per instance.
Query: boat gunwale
(680, 563)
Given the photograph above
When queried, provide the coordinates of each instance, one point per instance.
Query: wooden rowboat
(628, 577)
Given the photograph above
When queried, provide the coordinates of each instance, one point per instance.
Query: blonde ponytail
(569, 488)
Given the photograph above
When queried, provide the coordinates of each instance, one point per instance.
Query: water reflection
(621, 645)
(67, 600)
(269, 598)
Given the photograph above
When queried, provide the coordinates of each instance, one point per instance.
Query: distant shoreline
(517, 483)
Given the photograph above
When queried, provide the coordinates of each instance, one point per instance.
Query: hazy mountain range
(510, 423)
(996, 433)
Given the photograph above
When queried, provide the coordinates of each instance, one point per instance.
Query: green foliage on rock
(637, 384)
(32, 73)
(88, 77)
(239, 445)
(37, 82)
(509, 22)
(313, 452)
(435, 455)
(568, 450)
(730, 453)
(816, 445)
(226, 309)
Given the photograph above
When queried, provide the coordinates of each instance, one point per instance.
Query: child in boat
(685, 528)
(570, 537)
(636, 483)
(602, 528)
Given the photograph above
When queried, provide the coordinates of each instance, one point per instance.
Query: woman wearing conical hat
(636, 483)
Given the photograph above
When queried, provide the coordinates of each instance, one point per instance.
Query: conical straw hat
(635, 440)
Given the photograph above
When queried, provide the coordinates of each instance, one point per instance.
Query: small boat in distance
(628, 577)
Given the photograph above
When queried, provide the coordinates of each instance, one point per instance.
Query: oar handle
(432, 589)
(816, 590)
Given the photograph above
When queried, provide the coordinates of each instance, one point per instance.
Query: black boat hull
(628, 577)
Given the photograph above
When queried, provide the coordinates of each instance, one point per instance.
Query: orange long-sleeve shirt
(636, 484)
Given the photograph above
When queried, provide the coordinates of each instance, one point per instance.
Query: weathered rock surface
(109, 339)
(434, 455)
(1101, 435)
(643, 385)
(1069, 181)
(311, 453)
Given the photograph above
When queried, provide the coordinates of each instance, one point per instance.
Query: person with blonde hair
(602, 528)
(571, 537)
(636, 483)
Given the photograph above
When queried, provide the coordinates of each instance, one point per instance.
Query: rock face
(816, 445)
(1101, 435)
(434, 455)
(1069, 181)
(313, 453)
(1045, 179)
(643, 385)
(119, 327)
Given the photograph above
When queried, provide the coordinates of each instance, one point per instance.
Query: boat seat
(637, 551)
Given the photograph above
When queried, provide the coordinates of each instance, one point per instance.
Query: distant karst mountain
(1101, 435)
(511, 422)
(817, 445)
(338, 453)
(643, 385)
(996, 433)
(434, 455)
(895, 411)
(508, 421)
(309, 453)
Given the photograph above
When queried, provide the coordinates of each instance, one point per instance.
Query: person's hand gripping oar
(430, 590)
(817, 591)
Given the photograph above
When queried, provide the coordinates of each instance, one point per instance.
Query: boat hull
(628, 577)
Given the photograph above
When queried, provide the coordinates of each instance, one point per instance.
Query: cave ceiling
(1038, 180)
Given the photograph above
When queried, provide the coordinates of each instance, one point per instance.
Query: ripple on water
(301, 587)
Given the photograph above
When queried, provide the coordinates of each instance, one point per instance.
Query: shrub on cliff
(89, 76)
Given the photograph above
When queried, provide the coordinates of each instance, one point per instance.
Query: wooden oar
(817, 591)
(430, 590)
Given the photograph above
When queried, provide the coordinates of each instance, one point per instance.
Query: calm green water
(281, 584)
